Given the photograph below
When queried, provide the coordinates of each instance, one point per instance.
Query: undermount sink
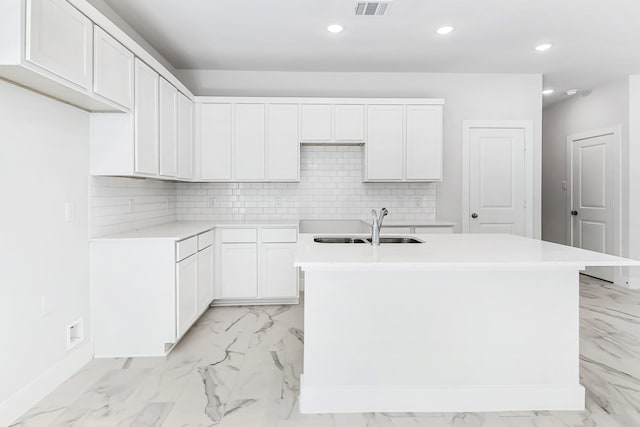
(355, 239)
(398, 239)
(339, 240)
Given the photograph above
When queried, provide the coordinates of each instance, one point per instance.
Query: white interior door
(497, 180)
(592, 195)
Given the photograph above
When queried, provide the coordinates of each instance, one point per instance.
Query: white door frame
(527, 126)
(616, 131)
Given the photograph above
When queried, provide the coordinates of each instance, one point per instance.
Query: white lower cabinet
(187, 293)
(238, 270)
(255, 265)
(279, 275)
(148, 291)
(205, 277)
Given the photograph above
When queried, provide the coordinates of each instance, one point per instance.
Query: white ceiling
(594, 40)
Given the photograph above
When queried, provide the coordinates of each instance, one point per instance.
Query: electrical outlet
(131, 205)
(417, 202)
(564, 185)
(69, 211)
(75, 333)
(212, 202)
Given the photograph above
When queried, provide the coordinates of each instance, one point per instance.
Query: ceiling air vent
(372, 8)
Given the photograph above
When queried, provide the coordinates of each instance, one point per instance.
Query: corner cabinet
(404, 143)
(254, 265)
(155, 140)
(148, 292)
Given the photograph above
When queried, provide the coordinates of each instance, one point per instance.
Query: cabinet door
(249, 142)
(205, 278)
(187, 293)
(424, 142)
(214, 141)
(279, 277)
(185, 137)
(283, 145)
(112, 69)
(146, 119)
(384, 147)
(168, 116)
(59, 39)
(316, 123)
(349, 123)
(238, 270)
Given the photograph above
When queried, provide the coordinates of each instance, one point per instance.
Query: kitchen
(86, 186)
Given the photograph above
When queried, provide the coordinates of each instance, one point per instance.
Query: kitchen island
(461, 322)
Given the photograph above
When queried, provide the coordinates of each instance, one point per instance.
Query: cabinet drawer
(205, 239)
(279, 235)
(187, 247)
(239, 235)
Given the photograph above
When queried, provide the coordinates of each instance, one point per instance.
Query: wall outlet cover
(75, 333)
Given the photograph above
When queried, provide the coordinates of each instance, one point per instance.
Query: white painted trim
(311, 100)
(527, 126)
(616, 131)
(340, 399)
(32, 393)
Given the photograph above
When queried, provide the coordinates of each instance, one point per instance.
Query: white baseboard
(32, 393)
(340, 399)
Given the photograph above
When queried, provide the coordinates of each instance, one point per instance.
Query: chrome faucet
(377, 225)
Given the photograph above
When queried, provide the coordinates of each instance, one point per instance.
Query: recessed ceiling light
(335, 28)
(543, 47)
(444, 30)
(547, 91)
(572, 92)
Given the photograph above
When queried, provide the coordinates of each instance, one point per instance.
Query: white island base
(441, 341)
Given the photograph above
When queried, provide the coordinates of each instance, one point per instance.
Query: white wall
(44, 155)
(154, 202)
(467, 97)
(634, 179)
(330, 187)
(607, 105)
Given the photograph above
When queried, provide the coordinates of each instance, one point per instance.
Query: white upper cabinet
(168, 131)
(384, 147)
(185, 137)
(283, 143)
(404, 143)
(348, 123)
(59, 40)
(332, 123)
(249, 142)
(112, 69)
(424, 142)
(213, 153)
(146, 119)
(316, 123)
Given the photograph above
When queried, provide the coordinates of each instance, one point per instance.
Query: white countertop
(449, 251)
(180, 230)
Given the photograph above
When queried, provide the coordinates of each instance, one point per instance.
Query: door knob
(574, 213)
(474, 215)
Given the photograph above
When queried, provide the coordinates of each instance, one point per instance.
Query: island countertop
(450, 251)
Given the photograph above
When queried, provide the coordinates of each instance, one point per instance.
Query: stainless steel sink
(342, 239)
(398, 239)
(355, 239)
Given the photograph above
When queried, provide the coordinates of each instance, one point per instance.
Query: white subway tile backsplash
(330, 187)
(154, 202)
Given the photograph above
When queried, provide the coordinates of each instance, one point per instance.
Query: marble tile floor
(240, 367)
